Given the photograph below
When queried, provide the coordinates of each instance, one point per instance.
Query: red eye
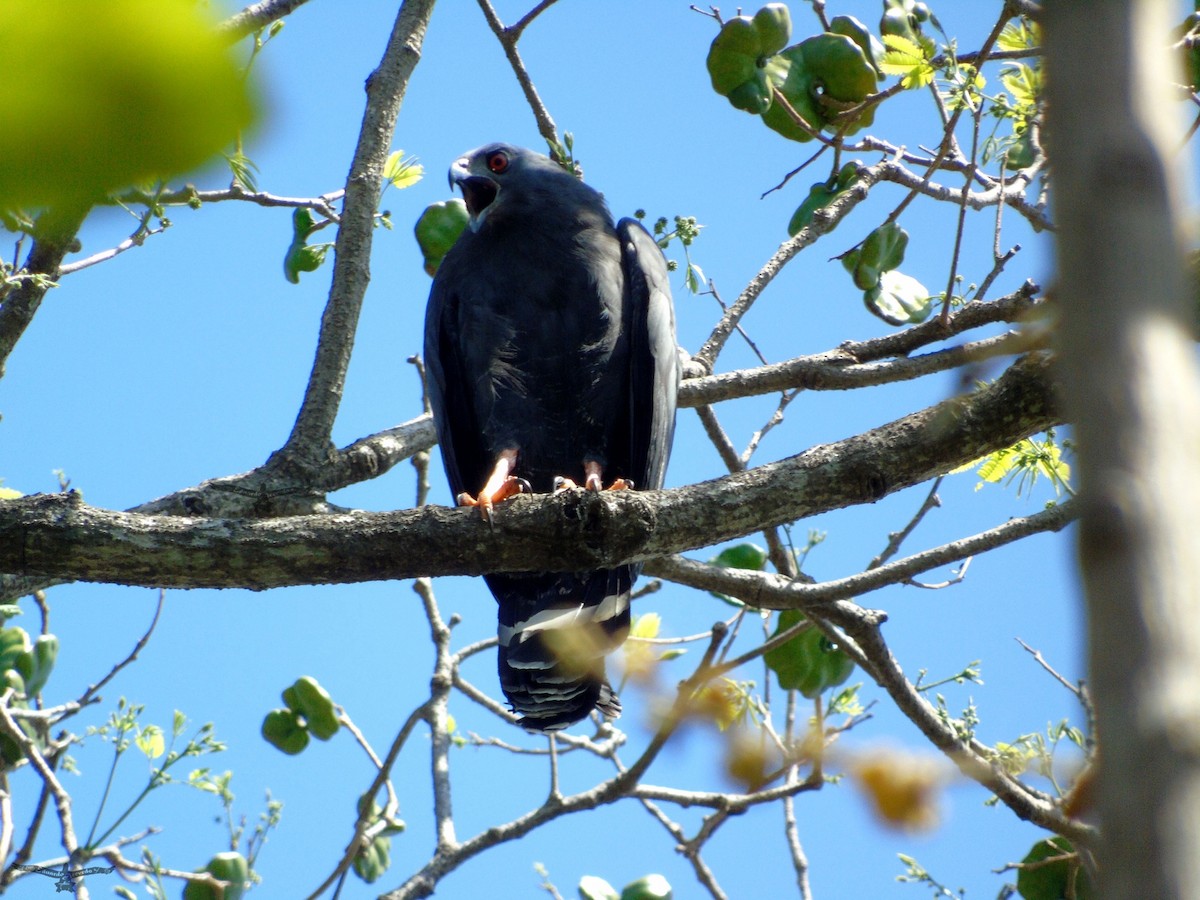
(498, 162)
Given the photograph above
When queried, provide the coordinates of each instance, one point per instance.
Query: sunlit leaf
(150, 742)
(906, 59)
(899, 299)
(646, 626)
(649, 887)
(101, 96)
(593, 887)
(401, 171)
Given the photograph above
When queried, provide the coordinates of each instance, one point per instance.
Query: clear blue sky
(187, 358)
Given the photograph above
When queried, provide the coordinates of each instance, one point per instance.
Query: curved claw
(593, 482)
(509, 487)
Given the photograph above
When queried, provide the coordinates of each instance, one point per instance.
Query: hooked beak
(479, 192)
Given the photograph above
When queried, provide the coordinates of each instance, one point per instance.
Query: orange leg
(501, 485)
(593, 480)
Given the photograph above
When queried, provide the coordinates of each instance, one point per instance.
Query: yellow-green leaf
(100, 96)
(402, 171)
(646, 626)
(150, 741)
(906, 59)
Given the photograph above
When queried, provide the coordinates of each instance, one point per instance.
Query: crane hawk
(551, 355)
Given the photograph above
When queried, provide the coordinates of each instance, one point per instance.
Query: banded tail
(555, 630)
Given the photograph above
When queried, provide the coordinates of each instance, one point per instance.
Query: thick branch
(309, 440)
(18, 306)
(57, 536)
(1130, 375)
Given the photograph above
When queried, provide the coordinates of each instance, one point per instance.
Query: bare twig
(256, 16)
(768, 591)
(896, 538)
(1041, 661)
(508, 38)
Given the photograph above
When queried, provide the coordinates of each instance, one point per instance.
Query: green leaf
(808, 662)
(741, 556)
(401, 171)
(13, 642)
(437, 230)
(649, 887)
(302, 257)
(231, 868)
(312, 701)
(36, 663)
(1043, 880)
(899, 299)
(284, 730)
(903, 18)
(592, 887)
(870, 45)
(774, 25)
(1019, 34)
(374, 859)
(1023, 82)
(820, 195)
(743, 62)
(883, 249)
(840, 69)
(243, 169)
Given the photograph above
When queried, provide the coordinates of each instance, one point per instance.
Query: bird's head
(497, 175)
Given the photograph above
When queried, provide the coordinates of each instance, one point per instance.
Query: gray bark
(1131, 386)
(58, 537)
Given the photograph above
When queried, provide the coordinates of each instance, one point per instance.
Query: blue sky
(187, 358)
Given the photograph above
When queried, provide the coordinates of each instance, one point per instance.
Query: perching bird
(551, 355)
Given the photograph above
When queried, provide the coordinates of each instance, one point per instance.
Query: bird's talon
(563, 484)
(621, 484)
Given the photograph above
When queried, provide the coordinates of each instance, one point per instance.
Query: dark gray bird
(551, 356)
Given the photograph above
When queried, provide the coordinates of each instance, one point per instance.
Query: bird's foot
(509, 487)
(593, 483)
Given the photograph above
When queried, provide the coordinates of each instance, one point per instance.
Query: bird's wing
(459, 434)
(655, 366)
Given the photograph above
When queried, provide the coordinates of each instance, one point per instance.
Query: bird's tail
(555, 630)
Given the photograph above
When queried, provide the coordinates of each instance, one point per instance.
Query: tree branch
(308, 443)
(256, 16)
(18, 305)
(508, 38)
(57, 536)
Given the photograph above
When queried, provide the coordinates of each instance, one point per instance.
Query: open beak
(479, 192)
